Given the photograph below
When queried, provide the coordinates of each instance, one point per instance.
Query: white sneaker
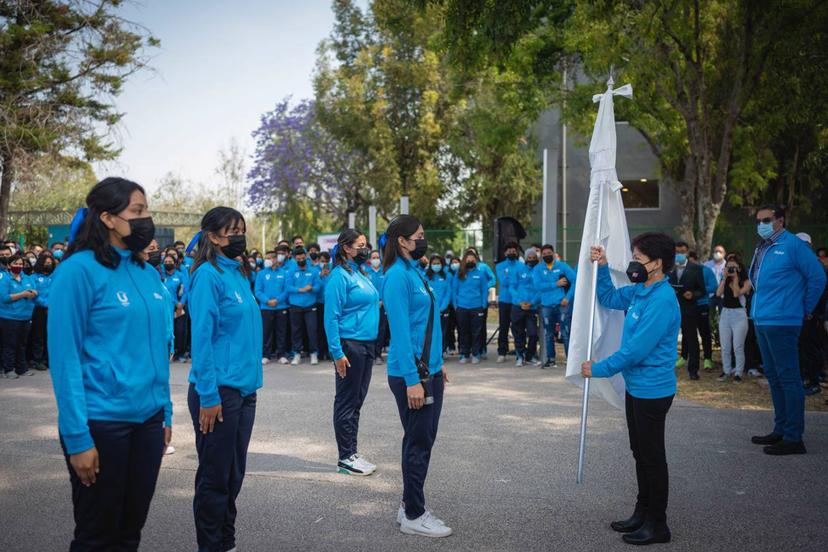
(535, 362)
(519, 362)
(501, 359)
(170, 450)
(754, 373)
(314, 359)
(463, 360)
(401, 516)
(296, 360)
(426, 525)
(283, 360)
(475, 360)
(354, 466)
(265, 360)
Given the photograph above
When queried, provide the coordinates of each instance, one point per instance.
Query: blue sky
(221, 65)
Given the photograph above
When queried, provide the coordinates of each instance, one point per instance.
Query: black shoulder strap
(424, 358)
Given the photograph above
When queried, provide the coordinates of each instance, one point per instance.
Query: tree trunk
(709, 209)
(5, 190)
(686, 187)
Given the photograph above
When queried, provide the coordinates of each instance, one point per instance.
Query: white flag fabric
(609, 324)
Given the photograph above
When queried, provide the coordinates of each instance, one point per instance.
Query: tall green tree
(61, 63)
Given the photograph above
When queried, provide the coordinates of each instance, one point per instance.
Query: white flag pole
(593, 305)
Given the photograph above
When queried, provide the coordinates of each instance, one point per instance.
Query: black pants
(690, 339)
(350, 394)
(276, 327)
(181, 327)
(450, 342)
(322, 336)
(645, 422)
(504, 321)
(703, 323)
(484, 332)
(419, 433)
(110, 514)
(222, 458)
(14, 335)
(470, 324)
(37, 339)
(382, 333)
(445, 322)
(303, 322)
(525, 323)
(810, 351)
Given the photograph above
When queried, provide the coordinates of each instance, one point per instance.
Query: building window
(642, 193)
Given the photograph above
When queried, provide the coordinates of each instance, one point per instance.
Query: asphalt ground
(502, 472)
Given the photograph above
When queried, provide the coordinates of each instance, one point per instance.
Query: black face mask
(470, 266)
(141, 233)
(637, 272)
(548, 259)
(48, 269)
(420, 247)
(301, 264)
(362, 255)
(169, 267)
(4, 261)
(154, 258)
(532, 264)
(235, 246)
(314, 256)
(512, 256)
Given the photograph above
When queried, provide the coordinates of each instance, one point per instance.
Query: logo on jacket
(238, 297)
(158, 296)
(122, 297)
(267, 276)
(778, 252)
(635, 316)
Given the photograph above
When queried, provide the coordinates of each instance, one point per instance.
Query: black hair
(742, 271)
(402, 226)
(821, 250)
(348, 237)
(110, 195)
(296, 237)
(283, 247)
(63, 245)
(548, 246)
(511, 245)
(778, 210)
(177, 243)
(284, 242)
(40, 265)
(657, 246)
(692, 255)
(315, 245)
(682, 244)
(326, 256)
(299, 250)
(4, 247)
(17, 257)
(213, 222)
(430, 273)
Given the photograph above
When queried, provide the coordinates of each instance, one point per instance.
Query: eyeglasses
(766, 220)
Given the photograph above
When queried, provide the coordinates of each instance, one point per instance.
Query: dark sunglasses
(766, 220)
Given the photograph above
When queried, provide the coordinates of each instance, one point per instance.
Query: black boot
(769, 439)
(783, 448)
(634, 522)
(649, 533)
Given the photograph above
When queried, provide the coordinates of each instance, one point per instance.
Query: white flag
(609, 324)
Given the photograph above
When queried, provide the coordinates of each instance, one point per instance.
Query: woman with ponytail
(110, 367)
(415, 366)
(351, 324)
(226, 372)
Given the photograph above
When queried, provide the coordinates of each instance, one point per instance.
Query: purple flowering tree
(296, 160)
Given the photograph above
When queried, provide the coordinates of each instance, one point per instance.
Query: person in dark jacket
(688, 281)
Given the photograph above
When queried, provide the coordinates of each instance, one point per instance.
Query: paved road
(502, 473)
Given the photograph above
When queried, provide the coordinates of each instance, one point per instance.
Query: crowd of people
(122, 307)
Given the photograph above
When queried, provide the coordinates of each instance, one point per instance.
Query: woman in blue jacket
(43, 270)
(226, 373)
(470, 291)
(17, 302)
(408, 301)
(110, 366)
(647, 360)
(351, 324)
(441, 282)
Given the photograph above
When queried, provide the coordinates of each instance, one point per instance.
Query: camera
(731, 270)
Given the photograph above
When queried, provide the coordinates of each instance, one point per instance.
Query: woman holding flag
(646, 359)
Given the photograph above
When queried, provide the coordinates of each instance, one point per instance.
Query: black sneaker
(769, 439)
(784, 448)
(694, 377)
(550, 363)
(813, 390)
(737, 379)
